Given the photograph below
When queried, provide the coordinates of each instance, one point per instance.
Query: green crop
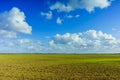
(59, 67)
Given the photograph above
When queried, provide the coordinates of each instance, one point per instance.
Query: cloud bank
(21, 45)
(89, 41)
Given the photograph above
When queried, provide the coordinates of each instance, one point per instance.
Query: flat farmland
(59, 66)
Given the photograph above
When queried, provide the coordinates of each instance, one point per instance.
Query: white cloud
(77, 16)
(47, 15)
(72, 16)
(88, 5)
(13, 22)
(61, 7)
(89, 41)
(23, 41)
(29, 45)
(8, 34)
(21, 45)
(69, 16)
(52, 43)
(59, 20)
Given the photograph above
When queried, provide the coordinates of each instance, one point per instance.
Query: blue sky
(59, 26)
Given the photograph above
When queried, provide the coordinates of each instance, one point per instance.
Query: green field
(59, 67)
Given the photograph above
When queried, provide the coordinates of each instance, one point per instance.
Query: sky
(59, 26)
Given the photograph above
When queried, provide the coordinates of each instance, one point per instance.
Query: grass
(59, 67)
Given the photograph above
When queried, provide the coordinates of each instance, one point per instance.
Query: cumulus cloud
(89, 41)
(13, 22)
(88, 5)
(47, 15)
(59, 20)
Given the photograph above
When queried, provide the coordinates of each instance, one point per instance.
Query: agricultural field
(59, 66)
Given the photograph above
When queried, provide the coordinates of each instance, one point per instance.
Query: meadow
(59, 66)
